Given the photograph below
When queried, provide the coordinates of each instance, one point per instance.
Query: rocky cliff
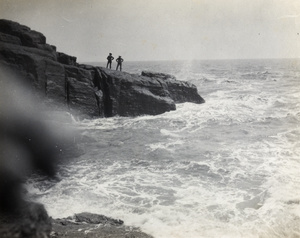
(27, 144)
(83, 89)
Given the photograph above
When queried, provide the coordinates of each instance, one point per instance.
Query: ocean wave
(225, 168)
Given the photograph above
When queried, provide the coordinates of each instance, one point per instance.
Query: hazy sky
(163, 29)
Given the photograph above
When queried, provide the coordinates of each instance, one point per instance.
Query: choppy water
(226, 168)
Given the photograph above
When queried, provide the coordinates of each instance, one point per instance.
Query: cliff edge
(86, 90)
(57, 81)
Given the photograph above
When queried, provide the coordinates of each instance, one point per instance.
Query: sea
(227, 168)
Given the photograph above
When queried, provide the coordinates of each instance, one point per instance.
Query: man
(109, 60)
(119, 61)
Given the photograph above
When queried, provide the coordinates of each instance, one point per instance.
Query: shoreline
(93, 225)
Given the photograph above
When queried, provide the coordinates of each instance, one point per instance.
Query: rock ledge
(85, 90)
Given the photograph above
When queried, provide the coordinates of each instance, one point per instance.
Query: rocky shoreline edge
(32, 221)
(93, 225)
(85, 90)
(59, 83)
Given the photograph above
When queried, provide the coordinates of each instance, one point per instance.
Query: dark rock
(49, 48)
(55, 83)
(27, 36)
(85, 90)
(66, 59)
(180, 91)
(10, 39)
(30, 63)
(96, 219)
(100, 102)
(157, 75)
(93, 225)
(133, 95)
(35, 53)
(86, 66)
(81, 95)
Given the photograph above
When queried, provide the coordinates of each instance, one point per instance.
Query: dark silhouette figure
(109, 60)
(119, 61)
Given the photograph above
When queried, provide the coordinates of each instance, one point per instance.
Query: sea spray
(226, 168)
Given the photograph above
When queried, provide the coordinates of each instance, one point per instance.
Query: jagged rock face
(48, 72)
(66, 59)
(80, 91)
(25, 34)
(55, 75)
(179, 91)
(133, 95)
(158, 75)
(10, 39)
(85, 90)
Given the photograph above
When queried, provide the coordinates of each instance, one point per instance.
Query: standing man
(109, 60)
(119, 61)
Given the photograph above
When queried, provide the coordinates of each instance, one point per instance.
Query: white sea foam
(226, 168)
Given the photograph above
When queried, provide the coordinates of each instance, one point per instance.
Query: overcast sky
(163, 29)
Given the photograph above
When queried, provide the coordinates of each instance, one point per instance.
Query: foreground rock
(83, 89)
(93, 225)
(31, 220)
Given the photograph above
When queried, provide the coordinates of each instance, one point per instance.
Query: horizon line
(151, 60)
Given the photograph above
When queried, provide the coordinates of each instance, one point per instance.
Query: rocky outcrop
(59, 81)
(179, 91)
(66, 59)
(80, 92)
(86, 90)
(27, 36)
(93, 225)
(132, 95)
(32, 220)
(31, 142)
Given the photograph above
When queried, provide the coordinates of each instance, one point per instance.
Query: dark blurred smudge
(28, 142)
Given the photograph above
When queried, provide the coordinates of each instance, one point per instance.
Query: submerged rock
(85, 90)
